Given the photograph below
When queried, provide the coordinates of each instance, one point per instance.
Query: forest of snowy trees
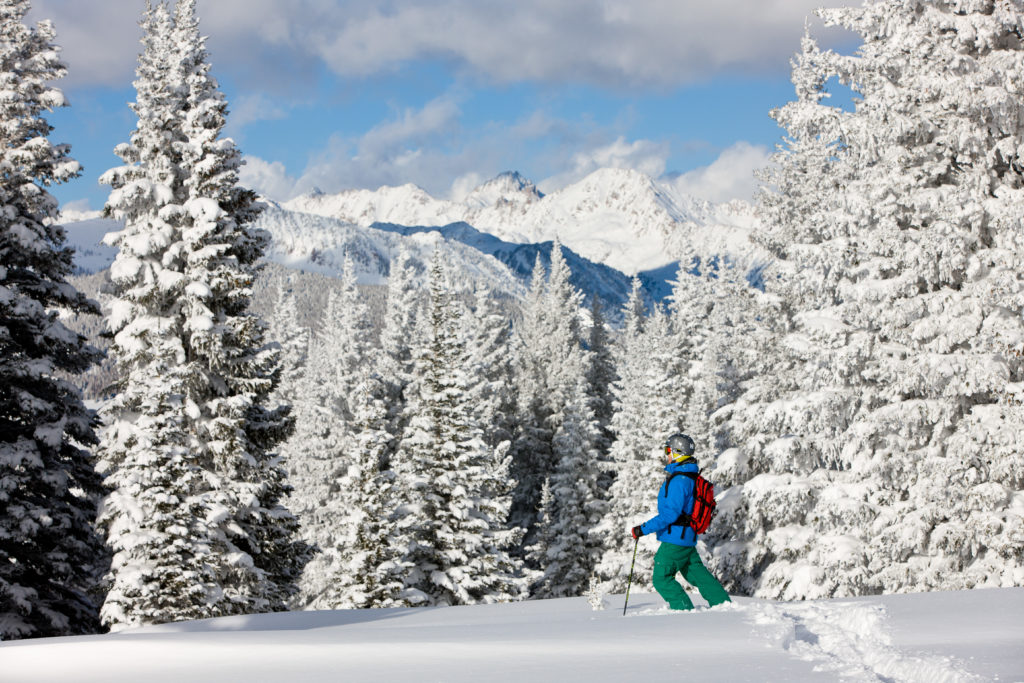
(860, 414)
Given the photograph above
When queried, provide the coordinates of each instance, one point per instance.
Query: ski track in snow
(850, 639)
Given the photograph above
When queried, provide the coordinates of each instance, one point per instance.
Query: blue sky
(446, 94)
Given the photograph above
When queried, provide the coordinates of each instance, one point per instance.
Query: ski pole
(630, 582)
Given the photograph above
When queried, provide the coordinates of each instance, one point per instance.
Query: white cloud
(642, 155)
(100, 41)
(430, 147)
(253, 107)
(646, 156)
(416, 146)
(464, 184)
(261, 42)
(269, 179)
(730, 176)
(608, 42)
(76, 207)
(276, 45)
(396, 152)
(414, 125)
(423, 146)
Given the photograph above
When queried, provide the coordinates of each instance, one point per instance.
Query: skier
(678, 551)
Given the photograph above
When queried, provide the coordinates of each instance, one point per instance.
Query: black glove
(637, 532)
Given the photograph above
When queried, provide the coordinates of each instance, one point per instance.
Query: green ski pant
(672, 559)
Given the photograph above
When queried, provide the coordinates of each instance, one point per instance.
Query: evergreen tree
(294, 341)
(788, 422)
(647, 410)
(909, 293)
(693, 301)
(717, 320)
(561, 315)
(489, 345)
(456, 489)
(321, 452)
(194, 519)
(345, 341)
(395, 361)
(551, 361)
(559, 440)
(369, 573)
(569, 548)
(601, 375)
(49, 551)
(531, 447)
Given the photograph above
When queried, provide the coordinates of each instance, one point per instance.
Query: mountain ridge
(611, 217)
(619, 217)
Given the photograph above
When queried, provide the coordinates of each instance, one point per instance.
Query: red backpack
(703, 502)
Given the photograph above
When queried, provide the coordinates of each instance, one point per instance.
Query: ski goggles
(676, 455)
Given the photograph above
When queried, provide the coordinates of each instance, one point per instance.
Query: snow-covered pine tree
(550, 361)
(569, 544)
(294, 340)
(692, 301)
(369, 572)
(787, 424)
(912, 280)
(558, 423)
(568, 361)
(158, 571)
(345, 340)
(601, 375)
(194, 518)
(489, 344)
(718, 320)
(320, 452)
(394, 361)
(319, 412)
(457, 492)
(940, 287)
(50, 553)
(647, 410)
(338, 352)
(531, 447)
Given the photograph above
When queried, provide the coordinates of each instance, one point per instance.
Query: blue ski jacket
(672, 503)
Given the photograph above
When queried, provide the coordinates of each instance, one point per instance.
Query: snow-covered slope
(320, 244)
(935, 637)
(591, 278)
(405, 204)
(85, 234)
(621, 218)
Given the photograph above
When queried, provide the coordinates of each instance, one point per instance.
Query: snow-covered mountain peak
(619, 217)
(605, 178)
(508, 188)
(406, 204)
